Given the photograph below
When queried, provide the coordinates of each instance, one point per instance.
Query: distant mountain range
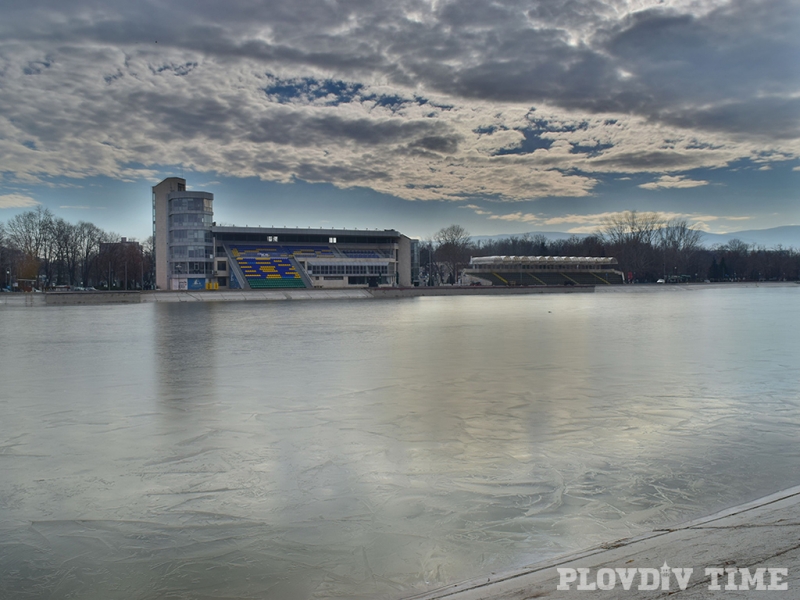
(787, 236)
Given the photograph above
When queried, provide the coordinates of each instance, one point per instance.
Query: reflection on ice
(376, 449)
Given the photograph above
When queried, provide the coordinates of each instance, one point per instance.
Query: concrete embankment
(255, 295)
(415, 292)
(752, 550)
(135, 297)
(22, 299)
(353, 294)
(71, 298)
(77, 298)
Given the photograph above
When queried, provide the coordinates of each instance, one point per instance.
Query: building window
(199, 268)
(349, 269)
(222, 265)
(191, 235)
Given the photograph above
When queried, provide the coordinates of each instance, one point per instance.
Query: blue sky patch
(286, 91)
(533, 141)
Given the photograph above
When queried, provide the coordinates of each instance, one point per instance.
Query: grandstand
(266, 267)
(193, 253)
(269, 258)
(544, 270)
(291, 265)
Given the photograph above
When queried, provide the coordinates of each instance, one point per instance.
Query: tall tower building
(183, 243)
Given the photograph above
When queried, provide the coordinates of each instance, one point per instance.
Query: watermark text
(671, 578)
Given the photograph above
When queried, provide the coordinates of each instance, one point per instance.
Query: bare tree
(88, 238)
(679, 235)
(631, 228)
(736, 254)
(427, 257)
(30, 233)
(679, 244)
(5, 257)
(630, 237)
(61, 235)
(453, 248)
(526, 245)
(148, 264)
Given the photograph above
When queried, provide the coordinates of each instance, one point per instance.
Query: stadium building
(193, 253)
(544, 270)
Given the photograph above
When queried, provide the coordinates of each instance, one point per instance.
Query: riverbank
(763, 534)
(353, 294)
(134, 297)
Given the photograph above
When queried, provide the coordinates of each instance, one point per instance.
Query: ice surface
(376, 449)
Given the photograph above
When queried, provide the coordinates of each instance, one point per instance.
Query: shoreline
(29, 299)
(137, 297)
(762, 533)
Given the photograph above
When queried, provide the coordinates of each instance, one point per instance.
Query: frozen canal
(377, 449)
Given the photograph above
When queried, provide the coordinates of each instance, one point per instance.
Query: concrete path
(764, 534)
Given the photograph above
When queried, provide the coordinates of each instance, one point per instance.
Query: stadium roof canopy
(542, 260)
(307, 230)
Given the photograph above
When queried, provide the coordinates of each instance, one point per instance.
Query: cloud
(702, 226)
(592, 223)
(730, 69)
(592, 220)
(16, 201)
(476, 209)
(518, 216)
(673, 181)
(458, 100)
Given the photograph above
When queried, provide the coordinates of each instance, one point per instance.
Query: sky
(504, 116)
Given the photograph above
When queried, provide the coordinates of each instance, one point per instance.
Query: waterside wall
(135, 297)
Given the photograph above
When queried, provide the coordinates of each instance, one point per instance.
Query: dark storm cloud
(645, 161)
(353, 175)
(734, 70)
(663, 64)
(203, 115)
(775, 118)
(437, 143)
(658, 63)
(330, 129)
(423, 99)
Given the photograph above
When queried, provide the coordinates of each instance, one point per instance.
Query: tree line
(647, 246)
(39, 250)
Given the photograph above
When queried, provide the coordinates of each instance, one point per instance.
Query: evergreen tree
(713, 270)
